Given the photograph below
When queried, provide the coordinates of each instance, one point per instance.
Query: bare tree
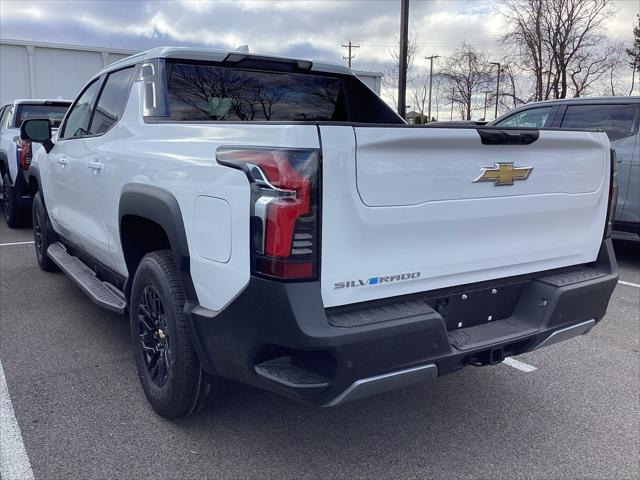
(391, 77)
(598, 63)
(466, 72)
(556, 41)
(634, 54)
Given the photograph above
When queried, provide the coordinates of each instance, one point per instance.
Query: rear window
(55, 113)
(210, 92)
(617, 121)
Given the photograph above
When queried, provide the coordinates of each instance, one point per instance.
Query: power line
(350, 56)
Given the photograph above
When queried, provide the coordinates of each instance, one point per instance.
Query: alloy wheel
(153, 334)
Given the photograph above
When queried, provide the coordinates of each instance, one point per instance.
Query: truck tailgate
(402, 214)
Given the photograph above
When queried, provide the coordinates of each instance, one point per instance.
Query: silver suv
(619, 118)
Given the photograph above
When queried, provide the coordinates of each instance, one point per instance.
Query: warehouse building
(50, 70)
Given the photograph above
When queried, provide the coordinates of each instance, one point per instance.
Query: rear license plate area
(467, 309)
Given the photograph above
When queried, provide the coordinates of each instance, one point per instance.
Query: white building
(50, 70)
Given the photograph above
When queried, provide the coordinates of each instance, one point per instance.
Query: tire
(13, 214)
(168, 367)
(43, 234)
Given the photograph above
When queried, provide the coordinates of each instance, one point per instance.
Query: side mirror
(37, 130)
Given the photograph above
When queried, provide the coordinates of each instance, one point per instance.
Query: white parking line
(14, 462)
(16, 243)
(518, 365)
(629, 283)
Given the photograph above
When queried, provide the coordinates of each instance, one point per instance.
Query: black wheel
(12, 213)
(173, 380)
(43, 234)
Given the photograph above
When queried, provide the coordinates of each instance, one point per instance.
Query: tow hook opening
(493, 356)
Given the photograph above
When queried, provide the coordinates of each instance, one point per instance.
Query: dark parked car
(619, 118)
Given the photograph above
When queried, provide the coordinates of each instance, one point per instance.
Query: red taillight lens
(613, 195)
(24, 154)
(284, 213)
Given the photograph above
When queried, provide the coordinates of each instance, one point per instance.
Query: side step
(285, 372)
(102, 293)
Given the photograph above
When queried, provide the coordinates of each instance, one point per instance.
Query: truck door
(62, 165)
(90, 165)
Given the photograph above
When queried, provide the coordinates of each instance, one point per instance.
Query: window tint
(77, 123)
(533, 118)
(55, 113)
(112, 101)
(616, 120)
(208, 92)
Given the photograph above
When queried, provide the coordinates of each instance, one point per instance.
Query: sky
(307, 29)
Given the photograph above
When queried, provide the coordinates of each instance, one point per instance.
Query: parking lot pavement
(82, 414)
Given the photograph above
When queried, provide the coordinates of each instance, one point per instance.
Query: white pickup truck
(272, 221)
(15, 155)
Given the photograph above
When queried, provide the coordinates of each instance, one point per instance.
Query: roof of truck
(39, 101)
(212, 55)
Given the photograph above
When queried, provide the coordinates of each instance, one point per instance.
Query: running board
(102, 293)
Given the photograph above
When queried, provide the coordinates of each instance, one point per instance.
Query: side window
(617, 121)
(77, 122)
(6, 113)
(112, 101)
(532, 118)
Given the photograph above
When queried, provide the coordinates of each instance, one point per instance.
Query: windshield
(55, 113)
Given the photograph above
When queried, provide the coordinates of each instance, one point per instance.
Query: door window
(4, 113)
(112, 101)
(77, 122)
(617, 121)
(532, 118)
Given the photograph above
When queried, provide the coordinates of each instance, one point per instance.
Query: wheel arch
(35, 184)
(149, 218)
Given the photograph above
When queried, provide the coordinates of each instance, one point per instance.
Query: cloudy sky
(311, 29)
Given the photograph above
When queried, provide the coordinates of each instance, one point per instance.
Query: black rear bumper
(279, 336)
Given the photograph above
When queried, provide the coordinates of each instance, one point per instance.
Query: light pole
(430, 82)
(453, 96)
(497, 87)
(486, 93)
(402, 73)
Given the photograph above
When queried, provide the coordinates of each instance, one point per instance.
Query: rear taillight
(24, 154)
(613, 195)
(284, 208)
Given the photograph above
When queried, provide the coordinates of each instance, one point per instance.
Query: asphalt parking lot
(82, 414)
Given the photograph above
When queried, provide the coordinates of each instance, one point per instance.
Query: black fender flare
(5, 162)
(34, 172)
(161, 207)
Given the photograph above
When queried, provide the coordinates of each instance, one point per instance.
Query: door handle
(95, 165)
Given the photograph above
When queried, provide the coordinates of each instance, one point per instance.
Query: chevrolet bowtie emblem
(502, 174)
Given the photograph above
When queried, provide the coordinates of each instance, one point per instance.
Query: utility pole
(350, 57)
(497, 87)
(430, 82)
(402, 73)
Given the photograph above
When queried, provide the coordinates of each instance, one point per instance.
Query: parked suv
(619, 118)
(15, 155)
(273, 221)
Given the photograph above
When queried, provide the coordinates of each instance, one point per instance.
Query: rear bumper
(279, 337)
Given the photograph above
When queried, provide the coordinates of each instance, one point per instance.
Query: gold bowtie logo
(502, 174)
